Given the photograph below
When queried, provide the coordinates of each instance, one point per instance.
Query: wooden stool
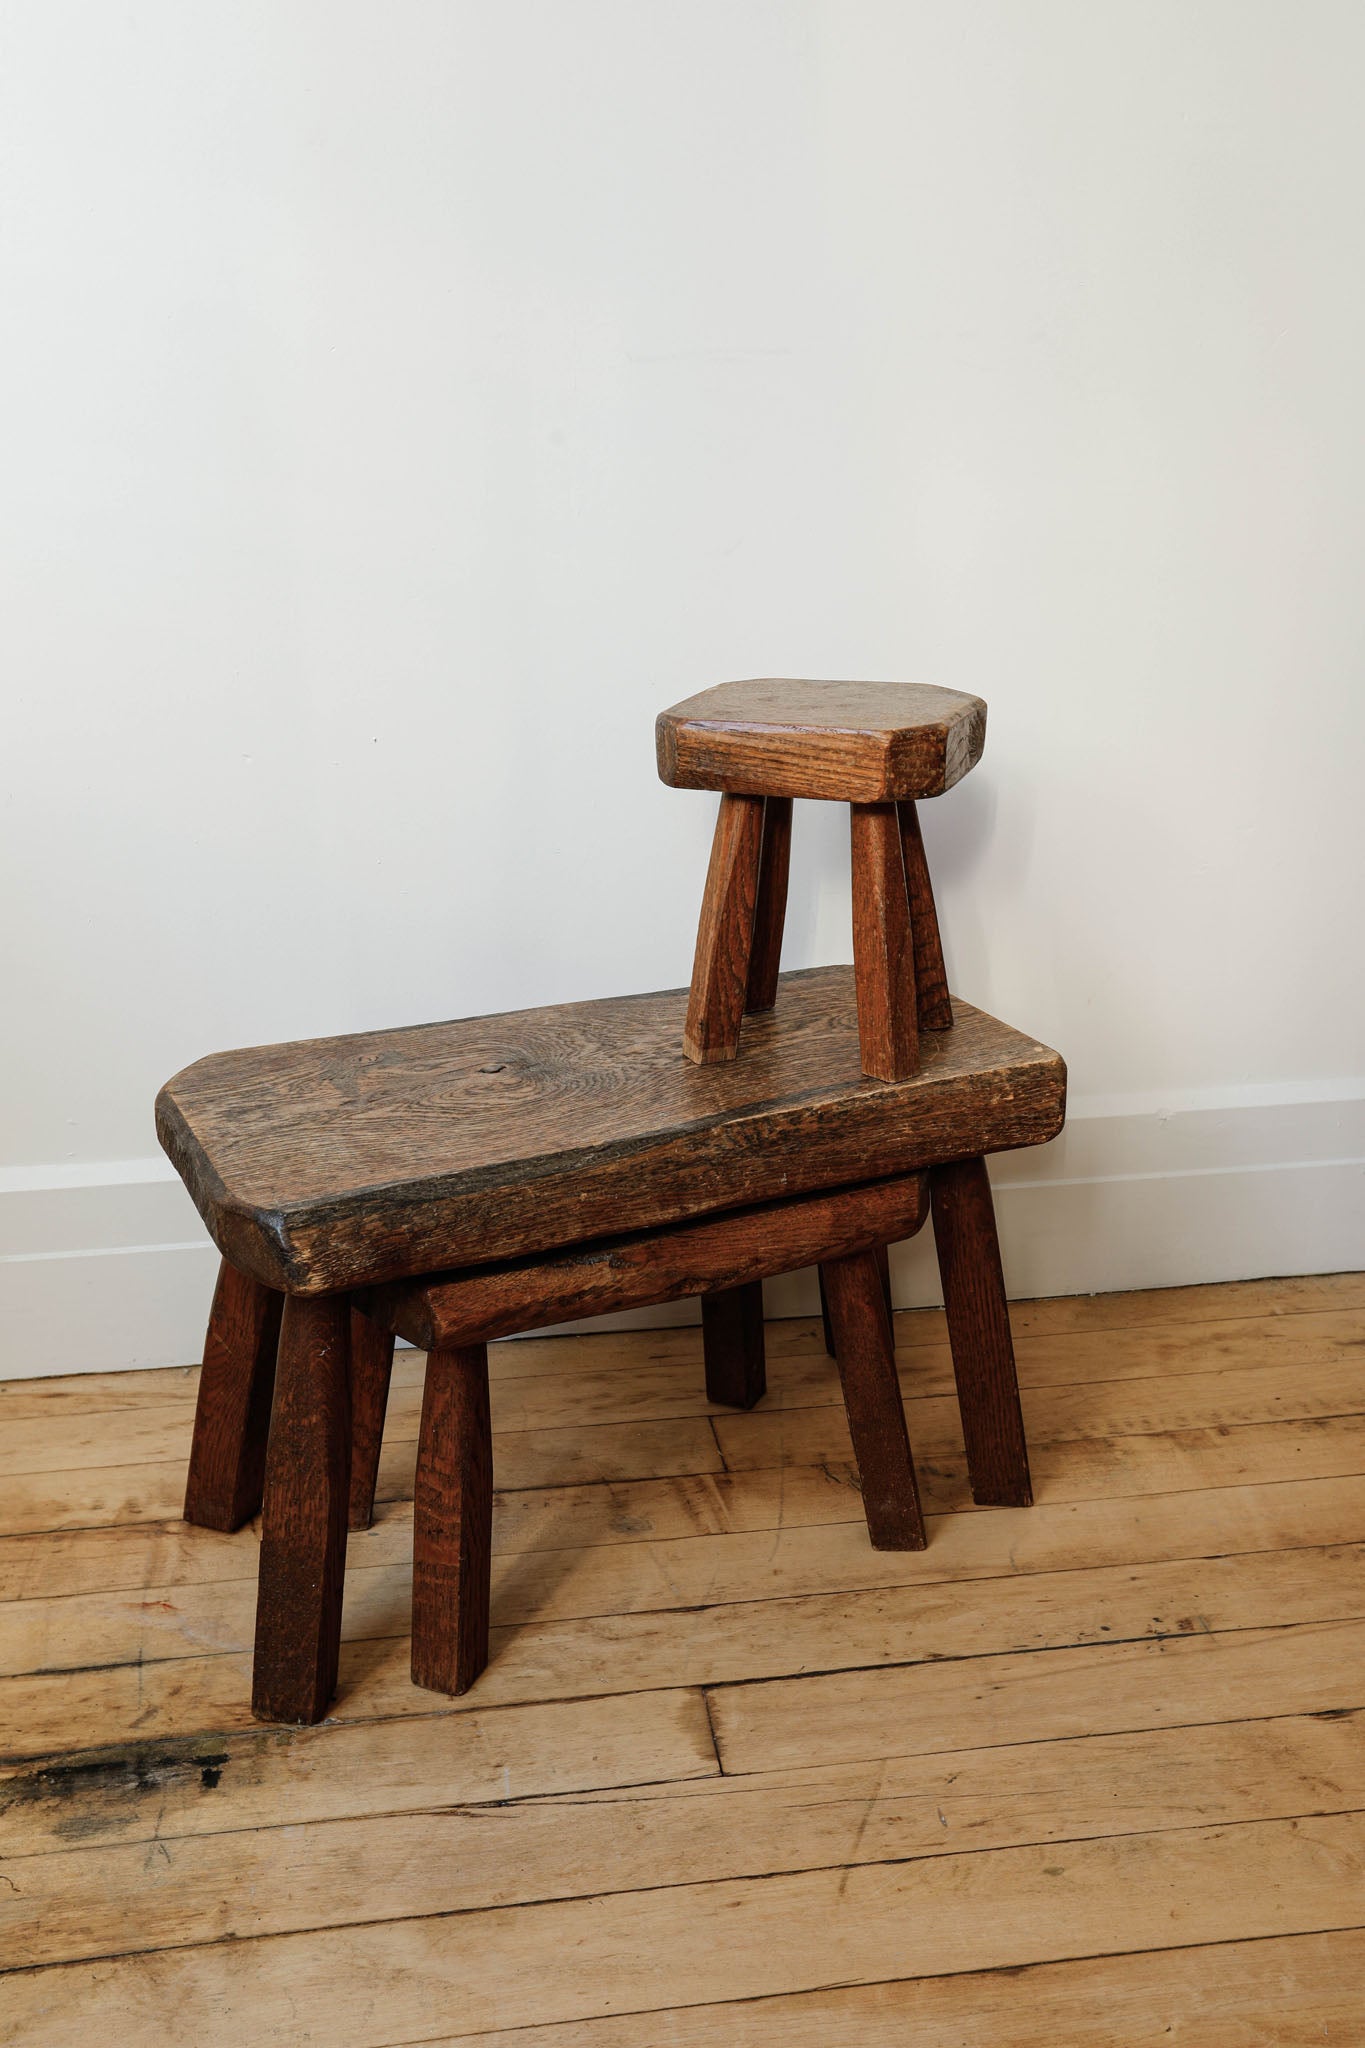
(877, 747)
(337, 1165)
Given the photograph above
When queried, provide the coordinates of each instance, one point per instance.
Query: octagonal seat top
(851, 742)
(335, 1163)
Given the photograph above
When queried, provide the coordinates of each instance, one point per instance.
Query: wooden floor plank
(722, 1645)
(174, 1619)
(396, 1981)
(288, 1875)
(581, 1394)
(1050, 1750)
(1299, 1991)
(213, 1782)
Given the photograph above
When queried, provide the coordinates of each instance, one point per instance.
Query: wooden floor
(1090, 1773)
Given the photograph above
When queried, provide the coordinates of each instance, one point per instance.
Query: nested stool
(878, 747)
(332, 1166)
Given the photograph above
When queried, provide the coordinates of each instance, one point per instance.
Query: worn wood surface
(232, 1417)
(452, 1523)
(304, 1515)
(765, 954)
(732, 1345)
(979, 1331)
(723, 1252)
(342, 1162)
(931, 976)
(883, 950)
(855, 742)
(1087, 1774)
(720, 968)
(865, 1353)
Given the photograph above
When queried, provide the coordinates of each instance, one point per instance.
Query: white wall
(402, 403)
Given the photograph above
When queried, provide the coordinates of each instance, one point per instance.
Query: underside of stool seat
(848, 742)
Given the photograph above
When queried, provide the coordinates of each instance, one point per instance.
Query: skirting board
(107, 1266)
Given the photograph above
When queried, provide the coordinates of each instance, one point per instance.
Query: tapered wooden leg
(931, 978)
(732, 1340)
(883, 1257)
(452, 1536)
(303, 1522)
(765, 957)
(720, 971)
(824, 1311)
(872, 1397)
(232, 1414)
(371, 1367)
(979, 1332)
(883, 950)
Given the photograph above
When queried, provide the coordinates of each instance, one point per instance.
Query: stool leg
(883, 951)
(720, 970)
(732, 1340)
(232, 1413)
(765, 957)
(371, 1368)
(824, 1312)
(303, 1524)
(979, 1332)
(452, 1534)
(883, 1258)
(872, 1397)
(931, 979)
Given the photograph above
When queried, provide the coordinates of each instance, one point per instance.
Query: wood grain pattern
(371, 1369)
(337, 1163)
(303, 1523)
(720, 969)
(452, 1523)
(232, 1413)
(953, 1778)
(931, 977)
(979, 1330)
(724, 1252)
(866, 1359)
(853, 742)
(883, 948)
(765, 956)
(732, 1345)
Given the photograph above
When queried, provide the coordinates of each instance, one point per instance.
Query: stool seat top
(852, 742)
(335, 1163)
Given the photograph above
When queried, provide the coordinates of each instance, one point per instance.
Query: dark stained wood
(931, 979)
(452, 1529)
(765, 956)
(732, 1343)
(720, 970)
(826, 1325)
(979, 1332)
(866, 1358)
(724, 1252)
(884, 1273)
(854, 742)
(232, 1413)
(337, 1163)
(884, 1268)
(883, 950)
(303, 1522)
(371, 1367)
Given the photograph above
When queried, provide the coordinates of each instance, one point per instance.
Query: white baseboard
(107, 1266)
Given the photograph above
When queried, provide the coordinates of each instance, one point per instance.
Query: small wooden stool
(335, 1166)
(877, 747)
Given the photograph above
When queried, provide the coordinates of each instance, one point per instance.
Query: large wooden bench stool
(879, 748)
(333, 1167)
